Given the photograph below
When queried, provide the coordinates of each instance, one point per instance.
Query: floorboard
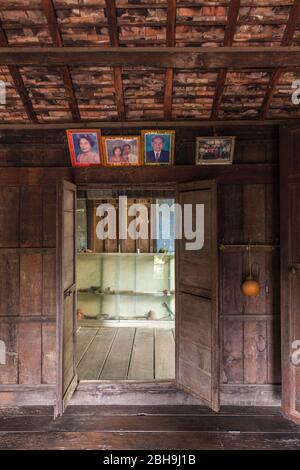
(164, 354)
(117, 363)
(142, 359)
(92, 363)
(147, 428)
(84, 338)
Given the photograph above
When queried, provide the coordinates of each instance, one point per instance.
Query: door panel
(197, 301)
(290, 269)
(66, 295)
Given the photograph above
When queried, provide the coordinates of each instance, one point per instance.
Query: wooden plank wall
(250, 334)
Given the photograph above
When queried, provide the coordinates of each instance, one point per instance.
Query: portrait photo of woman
(84, 146)
(121, 150)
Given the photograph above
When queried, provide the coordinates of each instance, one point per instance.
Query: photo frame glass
(121, 150)
(158, 147)
(214, 150)
(84, 147)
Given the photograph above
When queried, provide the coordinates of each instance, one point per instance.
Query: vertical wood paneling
(232, 297)
(9, 217)
(232, 215)
(49, 285)
(9, 370)
(48, 353)
(31, 218)
(233, 350)
(254, 213)
(30, 353)
(49, 216)
(255, 352)
(9, 284)
(31, 283)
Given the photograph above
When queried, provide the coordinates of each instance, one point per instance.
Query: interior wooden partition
(32, 163)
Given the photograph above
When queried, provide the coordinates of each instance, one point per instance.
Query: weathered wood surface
(147, 428)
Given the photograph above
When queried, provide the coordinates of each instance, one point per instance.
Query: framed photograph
(84, 147)
(158, 147)
(214, 150)
(122, 150)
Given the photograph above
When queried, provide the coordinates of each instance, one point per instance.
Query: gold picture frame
(158, 147)
(214, 150)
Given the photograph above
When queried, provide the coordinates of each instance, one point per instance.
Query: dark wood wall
(32, 162)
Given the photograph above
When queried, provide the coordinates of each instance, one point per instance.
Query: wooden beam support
(112, 20)
(287, 40)
(50, 14)
(233, 14)
(156, 57)
(170, 32)
(18, 81)
(143, 124)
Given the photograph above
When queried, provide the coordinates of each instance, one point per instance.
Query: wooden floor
(125, 353)
(147, 428)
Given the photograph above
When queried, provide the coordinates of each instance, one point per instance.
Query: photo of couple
(119, 150)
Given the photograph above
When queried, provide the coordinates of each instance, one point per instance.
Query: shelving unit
(126, 287)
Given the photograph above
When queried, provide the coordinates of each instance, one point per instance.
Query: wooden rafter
(277, 73)
(111, 14)
(242, 57)
(51, 17)
(18, 81)
(170, 37)
(233, 13)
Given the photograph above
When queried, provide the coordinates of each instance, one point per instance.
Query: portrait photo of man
(158, 147)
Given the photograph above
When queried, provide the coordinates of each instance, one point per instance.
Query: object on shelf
(152, 315)
(170, 312)
(80, 314)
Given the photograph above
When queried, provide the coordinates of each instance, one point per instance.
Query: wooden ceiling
(73, 61)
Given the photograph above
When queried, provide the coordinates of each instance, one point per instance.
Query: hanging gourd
(250, 286)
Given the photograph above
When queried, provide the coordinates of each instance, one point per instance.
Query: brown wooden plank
(92, 363)
(170, 42)
(255, 352)
(9, 284)
(31, 228)
(240, 57)
(254, 213)
(30, 358)
(31, 283)
(9, 370)
(49, 284)
(233, 351)
(117, 363)
(232, 213)
(9, 216)
(48, 353)
(49, 216)
(142, 359)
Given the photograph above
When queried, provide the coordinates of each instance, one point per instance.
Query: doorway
(196, 289)
(125, 286)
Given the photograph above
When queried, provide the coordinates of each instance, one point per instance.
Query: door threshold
(126, 392)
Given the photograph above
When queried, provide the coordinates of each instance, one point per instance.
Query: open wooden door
(290, 270)
(66, 295)
(197, 344)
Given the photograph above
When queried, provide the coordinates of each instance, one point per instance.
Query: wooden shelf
(156, 294)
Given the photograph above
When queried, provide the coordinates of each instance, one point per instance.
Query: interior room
(125, 295)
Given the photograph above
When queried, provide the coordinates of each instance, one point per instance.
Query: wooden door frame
(288, 392)
(158, 385)
(59, 403)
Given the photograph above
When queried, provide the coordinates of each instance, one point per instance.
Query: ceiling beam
(112, 20)
(49, 12)
(18, 81)
(156, 57)
(142, 124)
(287, 40)
(170, 38)
(232, 19)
